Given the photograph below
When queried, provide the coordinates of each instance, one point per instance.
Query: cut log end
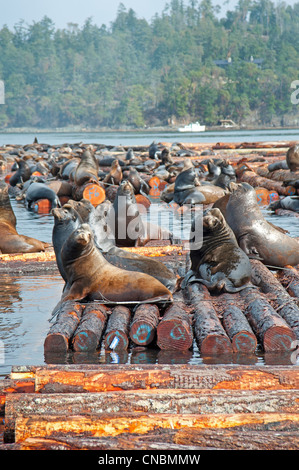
(279, 338)
(244, 342)
(215, 344)
(174, 335)
(56, 342)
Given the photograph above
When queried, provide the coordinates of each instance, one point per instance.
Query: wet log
(140, 423)
(258, 181)
(239, 331)
(285, 304)
(175, 329)
(95, 193)
(147, 401)
(272, 331)
(90, 329)
(286, 213)
(208, 330)
(97, 378)
(61, 332)
(117, 330)
(144, 324)
(289, 278)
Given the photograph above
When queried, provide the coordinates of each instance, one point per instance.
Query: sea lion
(290, 203)
(218, 262)
(186, 186)
(37, 191)
(255, 235)
(91, 277)
(292, 158)
(104, 241)
(66, 220)
(140, 186)
(125, 219)
(22, 173)
(115, 175)
(10, 240)
(87, 170)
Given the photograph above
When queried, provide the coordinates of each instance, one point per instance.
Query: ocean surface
(26, 302)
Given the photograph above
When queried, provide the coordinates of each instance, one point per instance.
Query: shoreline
(162, 129)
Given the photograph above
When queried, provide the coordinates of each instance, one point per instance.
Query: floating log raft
(258, 181)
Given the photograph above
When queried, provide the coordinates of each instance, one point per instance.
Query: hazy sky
(77, 11)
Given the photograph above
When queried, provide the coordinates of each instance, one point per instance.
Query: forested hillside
(187, 63)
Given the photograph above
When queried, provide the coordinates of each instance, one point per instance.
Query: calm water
(26, 302)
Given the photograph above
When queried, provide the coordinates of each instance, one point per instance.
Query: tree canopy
(186, 63)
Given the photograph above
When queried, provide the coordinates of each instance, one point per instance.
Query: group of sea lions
(89, 247)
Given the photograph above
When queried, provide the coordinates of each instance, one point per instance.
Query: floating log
(208, 330)
(115, 424)
(258, 181)
(289, 278)
(265, 197)
(89, 331)
(117, 330)
(166, 401)
(42, 206)
(61, 332)
(271, 329)
(105, 377)
(286, 306)
(144, 324)
(286, 213)
(144, 200)
(95, 193)
(239, 331)
(175, 329)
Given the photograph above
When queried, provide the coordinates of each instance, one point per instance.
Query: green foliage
(135, 73)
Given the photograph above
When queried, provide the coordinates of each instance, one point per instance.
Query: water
(26, 302)
(146, 137)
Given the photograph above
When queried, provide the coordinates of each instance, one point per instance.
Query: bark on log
(289, 278)
(286, 213)
(97, 378)
(239, 331)
(208, 330)
(175, 329)
(60, 333)
(117, 330)
(115, 424)
(258, 181)
(146, 401)
(285, 305)
(90, 329)
(272, 331)
(144, 324)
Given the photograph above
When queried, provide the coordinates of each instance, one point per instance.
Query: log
(90, 329)
(289, 278)
(208, 330)
(175, 329)
(60, 334)
(96, 378)
(42, 206)
(146, 401)
(258, 181)
(117, 330)
(239, 331)
(285, 305)
(272, 331)
(286, 213)
(144, 324)
(115, 424)
(93, 192)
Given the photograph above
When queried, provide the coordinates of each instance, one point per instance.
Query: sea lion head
(126, 188)
(83, 235)
(212, 220)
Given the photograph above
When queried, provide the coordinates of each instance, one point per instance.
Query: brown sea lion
(96, 218)
(217, 261)
(115, 174)
(292, 158)
(87, 170)
(90, 276)
(10, 240)
(255, 235)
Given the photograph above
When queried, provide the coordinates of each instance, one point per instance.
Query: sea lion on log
(90, 276)
(255, 235)
(217, 261)
(10, 240)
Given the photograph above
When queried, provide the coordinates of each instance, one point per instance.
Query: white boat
(193, 127)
